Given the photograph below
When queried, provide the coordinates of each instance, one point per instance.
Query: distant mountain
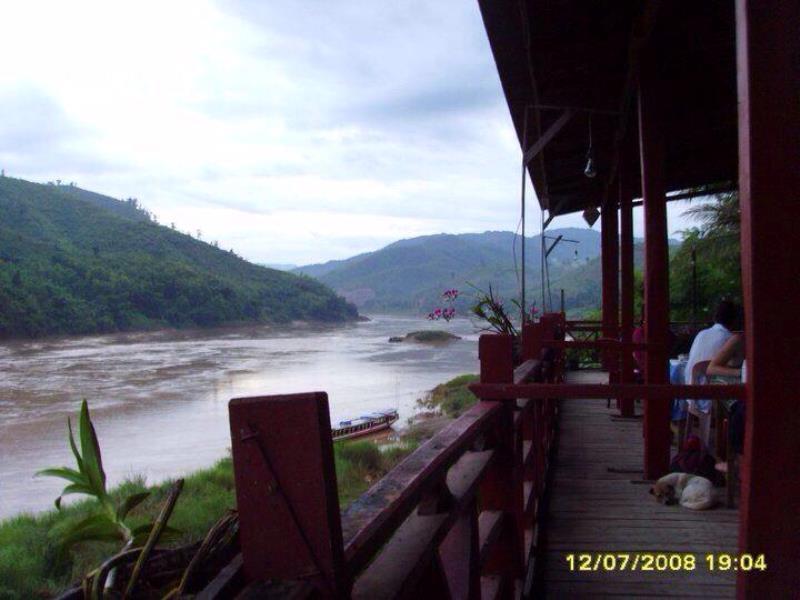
(73, 261)
(279, 266)
(410, 275)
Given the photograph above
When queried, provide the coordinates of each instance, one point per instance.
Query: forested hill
(72, 261)
(410, 275)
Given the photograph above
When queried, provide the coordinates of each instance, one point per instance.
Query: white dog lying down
(691, 491)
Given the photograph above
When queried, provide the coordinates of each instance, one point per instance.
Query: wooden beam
(656, 269)
(609, 259)
(662, 393)
(767, 47)
(627, 292)
(548, 135)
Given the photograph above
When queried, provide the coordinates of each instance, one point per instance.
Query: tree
(707, 266)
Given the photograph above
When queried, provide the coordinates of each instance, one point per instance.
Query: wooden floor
(594, 509)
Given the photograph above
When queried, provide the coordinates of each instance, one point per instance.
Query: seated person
(721, 365)
(710, 341)
(728, 361)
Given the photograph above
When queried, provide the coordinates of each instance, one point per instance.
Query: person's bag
(694, 458)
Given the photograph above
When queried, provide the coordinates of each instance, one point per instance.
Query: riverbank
(31, 567)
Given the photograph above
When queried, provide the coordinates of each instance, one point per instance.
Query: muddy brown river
(159, 399)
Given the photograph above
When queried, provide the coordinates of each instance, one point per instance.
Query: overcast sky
(293, 131)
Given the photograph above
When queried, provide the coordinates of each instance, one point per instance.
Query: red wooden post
(286, 491)
(610, 266)
(626, 284)
(531, 342)
(502, 487)
(768, 45)
(656, 273)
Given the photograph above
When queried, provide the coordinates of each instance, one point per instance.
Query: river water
(159, 399)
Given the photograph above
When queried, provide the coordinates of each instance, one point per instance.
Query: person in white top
(708, 342)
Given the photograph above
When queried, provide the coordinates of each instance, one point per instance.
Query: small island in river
(427, 336)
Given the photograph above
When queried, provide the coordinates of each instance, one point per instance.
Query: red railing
(459, 518)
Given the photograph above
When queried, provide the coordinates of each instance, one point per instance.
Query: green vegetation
(32, 566)
(360, 463)
(431, 336)
(74, 262)
(451, 398)
(409, 275)
(716, 245)
(110, 523)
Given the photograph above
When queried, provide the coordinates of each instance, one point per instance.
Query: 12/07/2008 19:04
(663, 561)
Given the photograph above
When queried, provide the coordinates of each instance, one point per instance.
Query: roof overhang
(584, 56)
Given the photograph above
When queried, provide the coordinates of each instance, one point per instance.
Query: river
(159, 399)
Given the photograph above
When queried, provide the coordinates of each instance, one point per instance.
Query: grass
(31, 567)
(451, 398)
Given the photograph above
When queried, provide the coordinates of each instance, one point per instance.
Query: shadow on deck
(598, 503)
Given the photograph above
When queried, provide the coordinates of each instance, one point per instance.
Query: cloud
(294, 132)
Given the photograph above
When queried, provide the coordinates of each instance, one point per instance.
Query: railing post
(531, 341)
(286, 491)
(502, 489)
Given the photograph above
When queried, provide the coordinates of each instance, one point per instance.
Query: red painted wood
(495, 354)
(286, 490)
(661, 393)
(372, 518)
(609, 243)
(501, 489)
(626, 285)
(531, 342)
(656, 270)
(768, 46)
(459, 556)
(600, 344)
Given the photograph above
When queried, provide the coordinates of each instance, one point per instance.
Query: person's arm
(719, 364)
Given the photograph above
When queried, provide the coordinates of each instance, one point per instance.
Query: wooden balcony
(599, 503)
(490, 507)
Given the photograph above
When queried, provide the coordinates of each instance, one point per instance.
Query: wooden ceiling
(585, 55)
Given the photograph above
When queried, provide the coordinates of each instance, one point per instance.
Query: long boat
(365, 424)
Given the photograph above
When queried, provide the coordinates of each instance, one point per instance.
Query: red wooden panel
(768, 47)
(286, 490)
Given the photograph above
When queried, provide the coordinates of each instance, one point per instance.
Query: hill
(410, 275)
(73, 261)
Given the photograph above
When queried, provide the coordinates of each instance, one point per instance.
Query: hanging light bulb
(590, 171)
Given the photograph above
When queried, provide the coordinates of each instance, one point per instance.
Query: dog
(690, 491)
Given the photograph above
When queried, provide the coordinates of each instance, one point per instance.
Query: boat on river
(365, 424)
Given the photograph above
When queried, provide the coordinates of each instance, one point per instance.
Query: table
(677, 369)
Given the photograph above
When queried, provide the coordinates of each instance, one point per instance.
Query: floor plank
(599, 503)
